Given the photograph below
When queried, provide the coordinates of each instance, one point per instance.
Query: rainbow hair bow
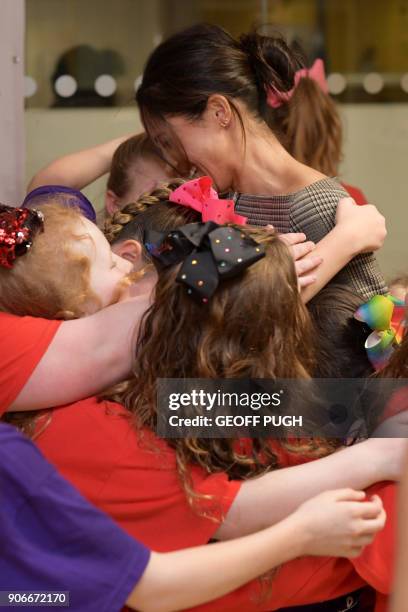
(385, 315)
(199, 195)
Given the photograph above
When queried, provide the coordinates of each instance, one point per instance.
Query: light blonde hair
(132, 150)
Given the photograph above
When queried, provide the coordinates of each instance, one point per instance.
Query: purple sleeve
(54, 540)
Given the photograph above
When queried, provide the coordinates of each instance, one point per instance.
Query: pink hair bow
(276, 98)
(199, 195)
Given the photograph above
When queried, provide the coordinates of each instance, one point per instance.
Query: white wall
(376, 156)
(11, 100)
(376, 160)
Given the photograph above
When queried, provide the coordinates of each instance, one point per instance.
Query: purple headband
(73, 198)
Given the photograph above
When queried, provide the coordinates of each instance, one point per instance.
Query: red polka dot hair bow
(18, 227)
(209, 254)
(200, 195)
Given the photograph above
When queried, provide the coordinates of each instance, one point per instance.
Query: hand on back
(363, 226)
(339, 523)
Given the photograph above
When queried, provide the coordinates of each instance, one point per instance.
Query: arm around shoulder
(85, 356)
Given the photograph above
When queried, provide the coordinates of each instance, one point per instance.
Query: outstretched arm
(359, 466)
(77, 170)
(85, 357)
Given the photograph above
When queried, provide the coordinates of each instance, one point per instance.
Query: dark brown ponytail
(312, 128)
(272, 62)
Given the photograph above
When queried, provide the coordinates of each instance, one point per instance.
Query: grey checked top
(312, 210)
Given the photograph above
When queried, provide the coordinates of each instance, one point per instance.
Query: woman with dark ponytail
(221, 104)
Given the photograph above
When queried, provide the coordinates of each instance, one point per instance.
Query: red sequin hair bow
(200, 195)
(18, 226)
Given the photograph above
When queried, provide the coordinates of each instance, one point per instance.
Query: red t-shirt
(376, 563)
(134, 479)
(23, 342)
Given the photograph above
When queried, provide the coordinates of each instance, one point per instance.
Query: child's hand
(339, 523)
(363, 226)
(305, 263)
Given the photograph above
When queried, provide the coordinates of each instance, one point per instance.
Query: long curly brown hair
(254, 326)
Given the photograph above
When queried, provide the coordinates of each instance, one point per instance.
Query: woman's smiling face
(207, 143)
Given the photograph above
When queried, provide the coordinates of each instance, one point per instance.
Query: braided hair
(151, 211)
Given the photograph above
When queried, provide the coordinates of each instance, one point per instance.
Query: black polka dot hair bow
(209, 252)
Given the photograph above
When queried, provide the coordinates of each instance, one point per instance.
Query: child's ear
(111, 202)
(130, 250)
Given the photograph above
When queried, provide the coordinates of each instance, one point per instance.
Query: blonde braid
(116, 222)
